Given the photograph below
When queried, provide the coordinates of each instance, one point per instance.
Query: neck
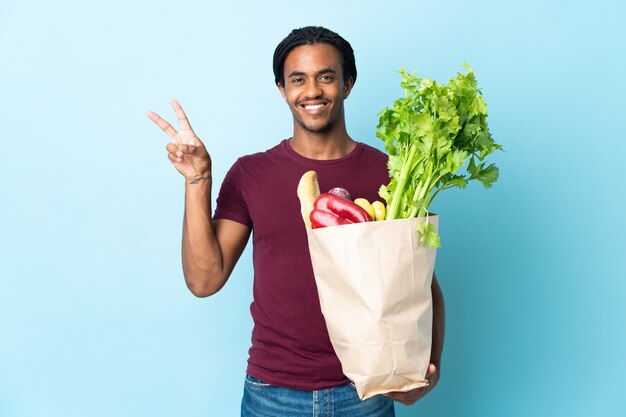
(322, 145)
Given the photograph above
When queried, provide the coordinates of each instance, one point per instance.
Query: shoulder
(261, 158)
(262, 167)
(372, 152)
(372, 156)
(376, 162)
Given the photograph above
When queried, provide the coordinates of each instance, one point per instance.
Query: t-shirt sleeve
(231, 204)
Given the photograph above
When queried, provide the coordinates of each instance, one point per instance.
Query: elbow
(201, 282)
(203, 288)
(201, 291)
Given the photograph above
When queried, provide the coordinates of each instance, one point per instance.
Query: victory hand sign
(186, 151)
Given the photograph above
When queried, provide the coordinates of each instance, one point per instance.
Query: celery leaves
(429, 135)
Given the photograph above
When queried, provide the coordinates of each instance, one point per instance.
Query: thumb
(431, 370)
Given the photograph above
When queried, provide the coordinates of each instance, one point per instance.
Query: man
(292, 368)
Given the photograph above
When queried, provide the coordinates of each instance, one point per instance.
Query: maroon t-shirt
(290, 344)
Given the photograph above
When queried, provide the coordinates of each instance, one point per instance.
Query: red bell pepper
(330, 210)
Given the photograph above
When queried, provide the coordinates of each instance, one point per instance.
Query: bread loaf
(308, 191)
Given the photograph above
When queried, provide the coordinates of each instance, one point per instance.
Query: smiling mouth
(313, 108)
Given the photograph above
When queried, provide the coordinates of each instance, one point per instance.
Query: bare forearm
(201, 254)
(439, 322)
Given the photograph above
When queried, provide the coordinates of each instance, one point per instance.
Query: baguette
(308, 191)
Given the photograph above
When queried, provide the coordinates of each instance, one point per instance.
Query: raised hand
(186, 151)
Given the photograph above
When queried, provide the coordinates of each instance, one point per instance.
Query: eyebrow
(320, 72)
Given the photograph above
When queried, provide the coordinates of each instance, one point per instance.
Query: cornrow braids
(311, 35)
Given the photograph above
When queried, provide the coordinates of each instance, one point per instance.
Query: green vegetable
(430, 134)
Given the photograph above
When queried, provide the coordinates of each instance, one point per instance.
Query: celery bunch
(429, 135)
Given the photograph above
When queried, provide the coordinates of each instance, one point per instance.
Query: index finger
(167, 128)
(180, 114)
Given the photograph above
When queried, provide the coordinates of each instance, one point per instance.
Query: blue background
(95, 319)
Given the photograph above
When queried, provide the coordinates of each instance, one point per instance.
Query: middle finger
(180, 114)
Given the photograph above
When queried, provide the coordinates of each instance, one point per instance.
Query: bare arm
(439, 323)
(210, 249)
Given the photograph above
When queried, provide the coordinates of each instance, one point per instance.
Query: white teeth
(314, 107)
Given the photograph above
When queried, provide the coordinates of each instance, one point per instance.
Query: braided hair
(311, 35)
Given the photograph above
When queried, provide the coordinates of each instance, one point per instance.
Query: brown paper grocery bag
(374, 283)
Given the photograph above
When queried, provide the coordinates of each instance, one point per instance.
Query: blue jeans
(265, 400)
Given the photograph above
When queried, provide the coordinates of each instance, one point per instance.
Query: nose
(313, 89)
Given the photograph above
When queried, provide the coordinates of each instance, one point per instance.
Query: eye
(297, 80)
(327, 77)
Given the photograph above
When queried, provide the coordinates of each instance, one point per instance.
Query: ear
(282, 90)
(347, 88)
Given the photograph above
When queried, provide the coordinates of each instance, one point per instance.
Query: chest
(273, 204)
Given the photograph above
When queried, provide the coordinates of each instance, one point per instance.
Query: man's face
(314, 87)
